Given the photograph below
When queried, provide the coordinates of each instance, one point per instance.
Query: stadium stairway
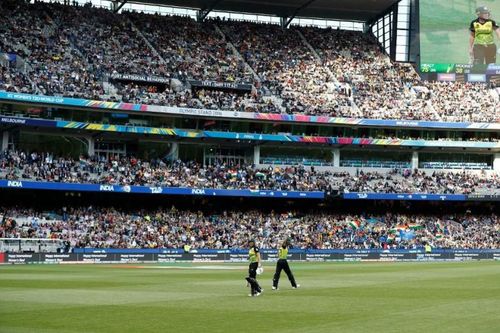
(139, 32)
(320, 60)
(237, 53)
(25, 68)
(313, 51)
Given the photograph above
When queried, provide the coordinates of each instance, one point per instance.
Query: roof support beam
(394, 34)
(297, 11)
(283, 21)
(203, 13)
(117, 5)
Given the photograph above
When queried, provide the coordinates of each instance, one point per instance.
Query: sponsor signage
(174, 255)
(476, 78)
(139, 78)
(31, 185)
(405, 196)
(143, 108)
(220, 85)
(446, 77)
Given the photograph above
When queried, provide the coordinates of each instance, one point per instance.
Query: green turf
(335, 297)
(444, 29)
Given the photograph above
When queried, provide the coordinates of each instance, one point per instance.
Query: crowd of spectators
(419, 181)
(14, 81)
(132, 171)
(288, 68)
(192, 50)
(172, 228)
(302, 70)
(197, 98)
(386, 90)
(52, 64)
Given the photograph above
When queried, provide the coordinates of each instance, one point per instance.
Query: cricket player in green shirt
(282, 264)
(482, 47)
(255, 263)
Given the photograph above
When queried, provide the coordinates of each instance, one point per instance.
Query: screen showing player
(460, 36)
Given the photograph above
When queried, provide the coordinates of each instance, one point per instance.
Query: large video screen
(460, 36)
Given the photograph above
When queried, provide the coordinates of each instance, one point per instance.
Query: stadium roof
(351, 10)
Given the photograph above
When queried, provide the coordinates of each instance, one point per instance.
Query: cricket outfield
(198, 297)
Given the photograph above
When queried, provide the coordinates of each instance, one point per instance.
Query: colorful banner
(129, 107)
(192, 134)
(32, 185)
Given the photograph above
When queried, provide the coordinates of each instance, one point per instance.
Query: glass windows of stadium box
(384, 28)
(56, 144)
(148, 150)
(109, 150)
(455, 161)
(375, 159)
(403, 31)
(214, 155)
(296, 156)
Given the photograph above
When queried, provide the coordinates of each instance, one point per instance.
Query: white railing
(34, 245)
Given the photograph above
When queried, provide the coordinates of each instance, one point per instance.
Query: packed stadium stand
(128, 103)
(171, 228)
(339, 73)
(132, 171)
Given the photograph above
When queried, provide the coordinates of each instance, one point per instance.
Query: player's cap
(251, 241)
(482, 10)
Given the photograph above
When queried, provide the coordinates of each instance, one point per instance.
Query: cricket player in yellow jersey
(482, 47)
(255, 263)
(282, 264)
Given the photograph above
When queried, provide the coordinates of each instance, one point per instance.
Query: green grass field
(334, 297)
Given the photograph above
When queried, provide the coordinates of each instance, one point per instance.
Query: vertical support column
(6, 144)
(496, 162)
(256, 155)
(5, 141)
(173, 154)
(336, 157)
(414, 160)
(90, 145)
(199, 16)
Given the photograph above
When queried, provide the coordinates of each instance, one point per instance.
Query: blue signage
(31, 185)
(405, 196)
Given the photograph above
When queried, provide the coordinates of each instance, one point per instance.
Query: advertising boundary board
(172, 256)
